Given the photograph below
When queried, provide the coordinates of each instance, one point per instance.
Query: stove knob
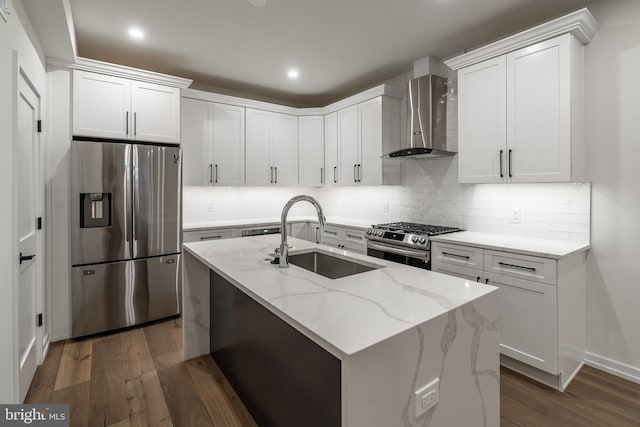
(423, 240)
(369, 231)
(414, 239)
(380, 233)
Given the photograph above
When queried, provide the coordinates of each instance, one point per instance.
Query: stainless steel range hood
(427, 99)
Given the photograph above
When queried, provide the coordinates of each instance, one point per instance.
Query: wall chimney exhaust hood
(427, 113)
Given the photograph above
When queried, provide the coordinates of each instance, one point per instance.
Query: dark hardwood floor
(137, 378)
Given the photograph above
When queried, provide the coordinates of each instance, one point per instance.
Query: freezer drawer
(100, 202)
(115, 295)
(157, 223)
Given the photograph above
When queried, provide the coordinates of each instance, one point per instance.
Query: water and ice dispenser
(95, 210)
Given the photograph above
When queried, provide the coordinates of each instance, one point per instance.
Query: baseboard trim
(613, 367)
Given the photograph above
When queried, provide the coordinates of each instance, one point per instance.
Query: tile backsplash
(430, 193)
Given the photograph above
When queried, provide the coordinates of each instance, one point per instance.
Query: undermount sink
(329, 265)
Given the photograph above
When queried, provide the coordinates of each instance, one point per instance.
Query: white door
(101, 106)
(285, 149)
(156, 112)
(28, 188)
(370, 144)
(538, 111)
(482, 122)
(197, 168)
(331, 148)
(258, 168)
(348, 145)
(228, 145)
(311, 150)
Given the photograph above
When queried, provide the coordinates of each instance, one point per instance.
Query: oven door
(412, 257)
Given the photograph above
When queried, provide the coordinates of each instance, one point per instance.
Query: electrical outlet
(385, 207)
(211, 207)
(515, 215)
(427, 397)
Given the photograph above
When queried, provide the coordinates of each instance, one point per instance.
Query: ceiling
(339, 46)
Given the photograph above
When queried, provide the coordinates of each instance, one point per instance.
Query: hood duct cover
(427, 99)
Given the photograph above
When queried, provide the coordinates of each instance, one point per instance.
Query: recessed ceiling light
(293, 74)
(257, 3)
(136, 33)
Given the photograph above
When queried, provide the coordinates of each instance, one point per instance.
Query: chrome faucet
(284, 248)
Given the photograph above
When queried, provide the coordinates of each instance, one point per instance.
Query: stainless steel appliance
(427, 103)
(125, 234)
(404, 242)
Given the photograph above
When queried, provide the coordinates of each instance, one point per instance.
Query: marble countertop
(556, 249)
(344, 315)
(250, 222)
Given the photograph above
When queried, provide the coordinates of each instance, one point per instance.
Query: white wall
(613, 136)
(14, 35)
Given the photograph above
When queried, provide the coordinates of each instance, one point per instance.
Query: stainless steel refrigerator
(125, 234)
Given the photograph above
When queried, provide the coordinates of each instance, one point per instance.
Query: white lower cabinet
(300, 230)
(542, 304)
(209, 234)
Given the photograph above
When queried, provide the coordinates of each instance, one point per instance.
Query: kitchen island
(362, 347)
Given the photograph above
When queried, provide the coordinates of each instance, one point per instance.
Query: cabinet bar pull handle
(504, 264)
(501, 173)
(456, 255)
(335, 233)
(335, 174)
(210, 237)
(317, 238)
(216, 174)
(135, 124)
(271, 175)
(478, 279)
(276, 169)
(510, 150)
(355, 172)
(486, 281)
(127, 122)
(354, 237)
(321, 175)
(359, 173)
(210, 173)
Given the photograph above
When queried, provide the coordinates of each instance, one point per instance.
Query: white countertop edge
(253, 222)
(555, 249)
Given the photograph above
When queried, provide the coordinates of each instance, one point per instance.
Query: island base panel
(282, 377)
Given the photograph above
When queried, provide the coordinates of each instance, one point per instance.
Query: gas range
(407, 234)
(404, 242)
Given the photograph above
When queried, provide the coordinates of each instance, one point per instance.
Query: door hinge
(39, 320)
(39, 223)
(39, 126)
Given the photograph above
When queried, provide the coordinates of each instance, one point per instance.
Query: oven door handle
(397, 251)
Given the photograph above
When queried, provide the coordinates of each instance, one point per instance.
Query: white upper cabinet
(114, 107)
(156, 112)
(482, 133)
(365, 132)
(271, 148)
(212, 143)
(228, 144)
(331, 148)
(196, 142)
(311, 151)
(521, 104)
(101, 105)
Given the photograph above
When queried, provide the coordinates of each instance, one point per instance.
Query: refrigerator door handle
(135, 195)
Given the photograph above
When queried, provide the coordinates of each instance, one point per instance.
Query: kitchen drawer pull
(478, 279)
(359, 173)
(355, 173)
(335, 233)
(271, 175)
(486, 281)
(321, 175)
(501, 173)
(510, 174)
(504, 264)
(210, 237)
(216, 174)
(317, 235)
(354, 237)
(456, 255)
(210, 173)
(335, 174)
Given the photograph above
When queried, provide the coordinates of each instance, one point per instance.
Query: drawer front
(197, 236)
(353, 235)
(526, 267)
(528, 319)
(464, 256)
(466, 273)
(331, 232)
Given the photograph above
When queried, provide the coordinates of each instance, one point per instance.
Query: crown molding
(86, 64)
(581, 24)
